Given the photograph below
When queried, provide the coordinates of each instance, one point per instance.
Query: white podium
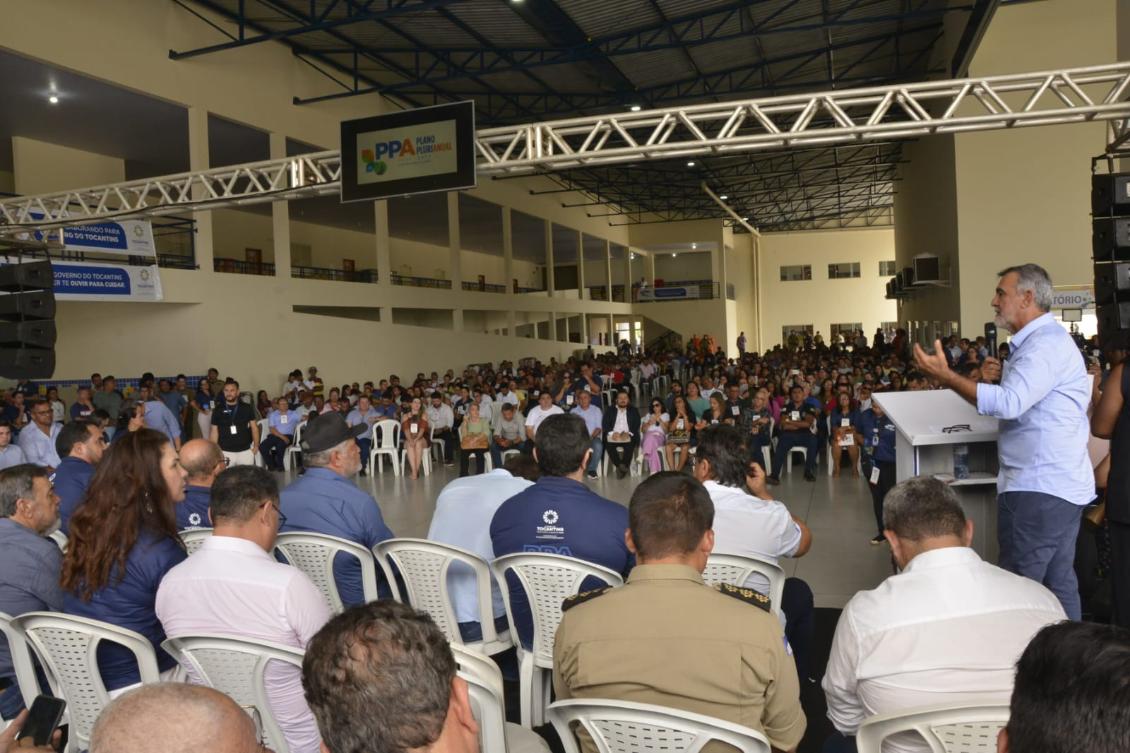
(929, 424)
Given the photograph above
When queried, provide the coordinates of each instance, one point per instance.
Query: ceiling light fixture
(635, 108)
(745, 219)
(723, 197)
(53, 99)
(691, 163)
(672, 253)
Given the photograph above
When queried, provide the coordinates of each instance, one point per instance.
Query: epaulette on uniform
(748, 595)
(582, 597)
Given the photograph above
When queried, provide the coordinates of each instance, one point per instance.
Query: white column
(581, 290)
(280, 216)
(550, 273)
(384, 255)
(454, 260)
(198, 160)
(607, 270)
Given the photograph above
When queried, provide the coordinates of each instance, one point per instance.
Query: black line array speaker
(27, 321)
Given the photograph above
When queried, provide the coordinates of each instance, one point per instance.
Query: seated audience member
(544, 409)
(462, 518)
(58, 407)
(80, 444)
(363, 415)
(594, 420)
(281, 423)
(559, 514)
(233, 586)
(667, 638)
(798, 417)
(10, 453)
(123, 540)
(509, 433)
(16, 412)
(325, 499)
(84, 404)
(174, 717)
(305, 408)
(621, 430)
(203, 462)
(947, 629)
(159, 417)
(474, 440)
(37, 439)
(654, 430)
(234, 427)
(1070, 694)
(680, 430)
(760, 428)
(442, 421)
(415, 433)
(29, 579)
(748, 521)
(108, 398)
(844, 420)
(382, 678)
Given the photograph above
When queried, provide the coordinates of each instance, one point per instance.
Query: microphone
(991, 338)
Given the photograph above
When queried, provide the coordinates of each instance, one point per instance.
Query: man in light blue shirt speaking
(1045, 472)
(594, 418)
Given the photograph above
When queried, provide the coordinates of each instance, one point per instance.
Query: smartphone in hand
(43, 719)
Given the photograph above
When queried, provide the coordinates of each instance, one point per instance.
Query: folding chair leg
(525, 687)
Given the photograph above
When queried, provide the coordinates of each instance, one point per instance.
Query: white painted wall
(40, 167)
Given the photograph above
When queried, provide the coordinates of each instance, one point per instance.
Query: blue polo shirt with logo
(193, 511)
(70, 480)
(558, 515)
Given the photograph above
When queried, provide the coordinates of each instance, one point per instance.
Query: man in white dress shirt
(947, 629)
(537, 414)
(441, 419)
(464, 510)
(233, 586)
(37, 440)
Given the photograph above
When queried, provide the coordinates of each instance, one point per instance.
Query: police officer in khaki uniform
(667, 638)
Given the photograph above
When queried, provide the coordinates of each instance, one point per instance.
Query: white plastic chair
(635, 467)
(425, 458)
(735, 569)
(67, 648)
(22, 664)
(626, 727)
(314, 553)
(193, 538)
(802, 450)
(294, 448)
(946, 729)
(424, 566)
(547, 580)
(264, 432)
(236, 667)
(60, 540)
(385, 436)
(436, 444)
(484, 684)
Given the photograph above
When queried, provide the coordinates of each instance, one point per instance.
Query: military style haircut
(669, 514)
(561, 440)
(922, 508)
(76, 432)
(1072, 691)
(727, 450)
(378, 678)
(16, 483)
(238, 492)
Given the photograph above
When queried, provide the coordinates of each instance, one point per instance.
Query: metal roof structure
(525, 61)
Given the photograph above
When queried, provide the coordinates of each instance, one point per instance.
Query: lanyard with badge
(230, 411)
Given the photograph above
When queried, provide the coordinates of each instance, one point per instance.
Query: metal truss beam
(1098, 93)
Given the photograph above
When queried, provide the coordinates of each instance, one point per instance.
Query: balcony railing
(484, 287)
(239, 267)
(337, 275)
(420, 282)
(176, 261)
(679, 290)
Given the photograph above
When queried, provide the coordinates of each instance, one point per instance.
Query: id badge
(875, 441)
(735, 410)
(568, 399)
(679, 424)
(284, 419)
(413, 428)
(233, 429)
(875, 474)
(845, 422)
(794, 415)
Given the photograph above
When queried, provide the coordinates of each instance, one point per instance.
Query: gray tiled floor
(840, 562)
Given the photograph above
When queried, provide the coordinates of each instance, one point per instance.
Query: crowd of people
(124, 484)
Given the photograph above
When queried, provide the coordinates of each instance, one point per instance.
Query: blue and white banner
(126, 237)
(675, 293)
(87, 281)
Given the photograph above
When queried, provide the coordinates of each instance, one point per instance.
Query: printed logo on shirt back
(550, 530)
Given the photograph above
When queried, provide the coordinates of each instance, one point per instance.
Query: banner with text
(126, 237)
(86, 281)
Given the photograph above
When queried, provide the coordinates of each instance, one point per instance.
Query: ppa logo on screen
(386, 154)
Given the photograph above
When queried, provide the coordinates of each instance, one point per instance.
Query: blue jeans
(366, 445)
(597, 452)
(791, 439)
(1037, 533)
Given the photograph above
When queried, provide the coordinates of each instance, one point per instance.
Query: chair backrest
(625, 727)
(484, 684)
(946, 729)
(386, 434)
(547, 579)
(735, 569)
(424, 566)
(264, 428)
(313, 554)
(193, 538)
(236, 667)
(67, 648)
(60, 540)
(22, 664)
(298, 430)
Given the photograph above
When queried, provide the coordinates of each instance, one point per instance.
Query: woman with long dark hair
(122, 540)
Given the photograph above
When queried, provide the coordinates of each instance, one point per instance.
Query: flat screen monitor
(408, 152)
(1072, 315)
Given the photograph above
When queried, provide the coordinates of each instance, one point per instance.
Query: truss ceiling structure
(524, 61)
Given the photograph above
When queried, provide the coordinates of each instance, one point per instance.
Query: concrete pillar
(608, 270)
(508, 250)
(454, 244)
(198, 160)
(581, 290)
(649, 268)
(550, 270)
(280, 215)
(628, 275)
(383, 254)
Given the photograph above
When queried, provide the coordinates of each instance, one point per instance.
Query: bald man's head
(203, 461)
(173, 717)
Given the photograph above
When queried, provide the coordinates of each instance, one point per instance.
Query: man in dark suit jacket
(621, 433)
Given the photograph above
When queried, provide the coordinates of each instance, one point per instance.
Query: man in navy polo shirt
(202, 461)
(876, 433)
(559, 514)
(325, 499)
(80, 444)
